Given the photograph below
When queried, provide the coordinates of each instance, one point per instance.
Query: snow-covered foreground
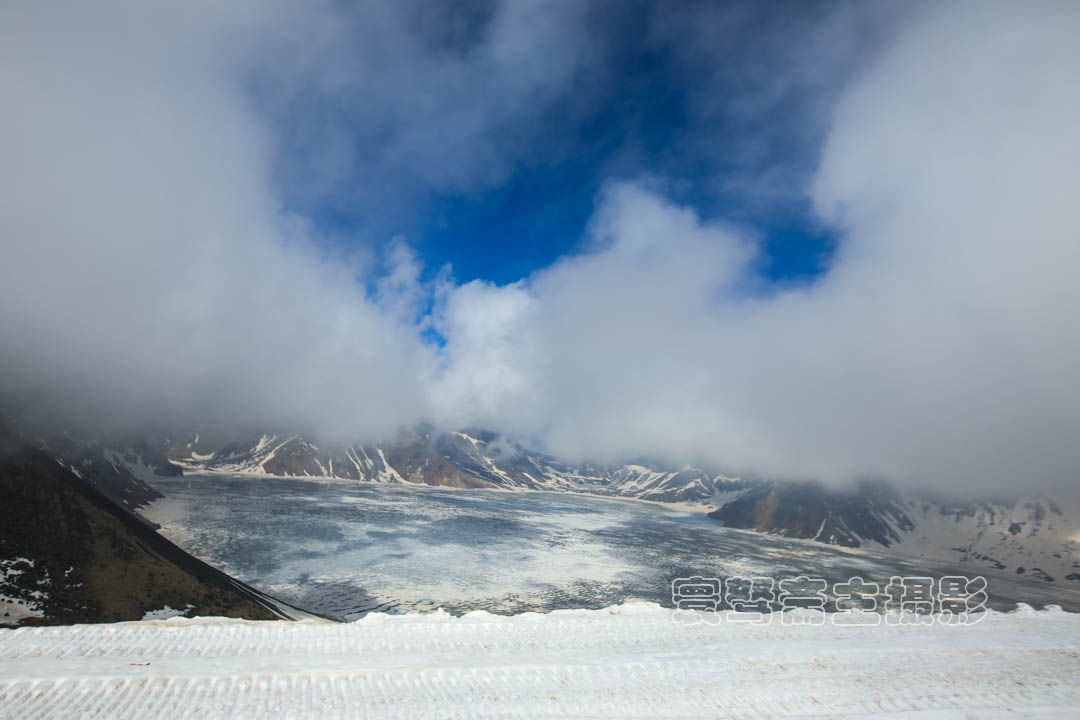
(627, 661)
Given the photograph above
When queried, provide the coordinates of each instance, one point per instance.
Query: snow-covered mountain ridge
(1032, 536)
(468, 459)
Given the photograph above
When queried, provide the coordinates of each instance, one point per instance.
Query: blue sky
(723, 103)
(540, 215)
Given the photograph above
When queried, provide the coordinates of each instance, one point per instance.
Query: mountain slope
(1032, 536)
(69, 554)
(870, 513)
(121, 468)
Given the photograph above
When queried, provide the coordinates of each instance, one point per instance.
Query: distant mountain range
(472, 458)
(1033, 536)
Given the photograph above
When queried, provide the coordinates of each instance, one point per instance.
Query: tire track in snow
(628, 661)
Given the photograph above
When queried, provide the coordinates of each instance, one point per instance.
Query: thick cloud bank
(149, 273)
(941, 347)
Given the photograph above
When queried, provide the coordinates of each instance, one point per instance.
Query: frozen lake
(344, 549)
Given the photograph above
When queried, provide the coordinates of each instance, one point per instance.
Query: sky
(829, 240)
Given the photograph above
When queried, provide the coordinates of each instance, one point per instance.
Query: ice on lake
(344, 549)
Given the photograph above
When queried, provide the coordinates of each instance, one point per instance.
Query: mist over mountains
(1028, 533)
(159, 269)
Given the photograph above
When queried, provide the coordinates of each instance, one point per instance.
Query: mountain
(1035, 537)
(123, 469)
(69, 554)
(123, 474)
(1032, 536)
(871, 513)
(473, 458)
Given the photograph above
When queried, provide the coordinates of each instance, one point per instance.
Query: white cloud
(941, 347)
(150, 274)
(488, 375)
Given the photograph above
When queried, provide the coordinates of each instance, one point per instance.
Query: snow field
(630, 660)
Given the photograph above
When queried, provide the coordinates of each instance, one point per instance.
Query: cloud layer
(939, 348)
(151, 275)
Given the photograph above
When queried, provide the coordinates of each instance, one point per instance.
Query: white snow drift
(625, 661)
